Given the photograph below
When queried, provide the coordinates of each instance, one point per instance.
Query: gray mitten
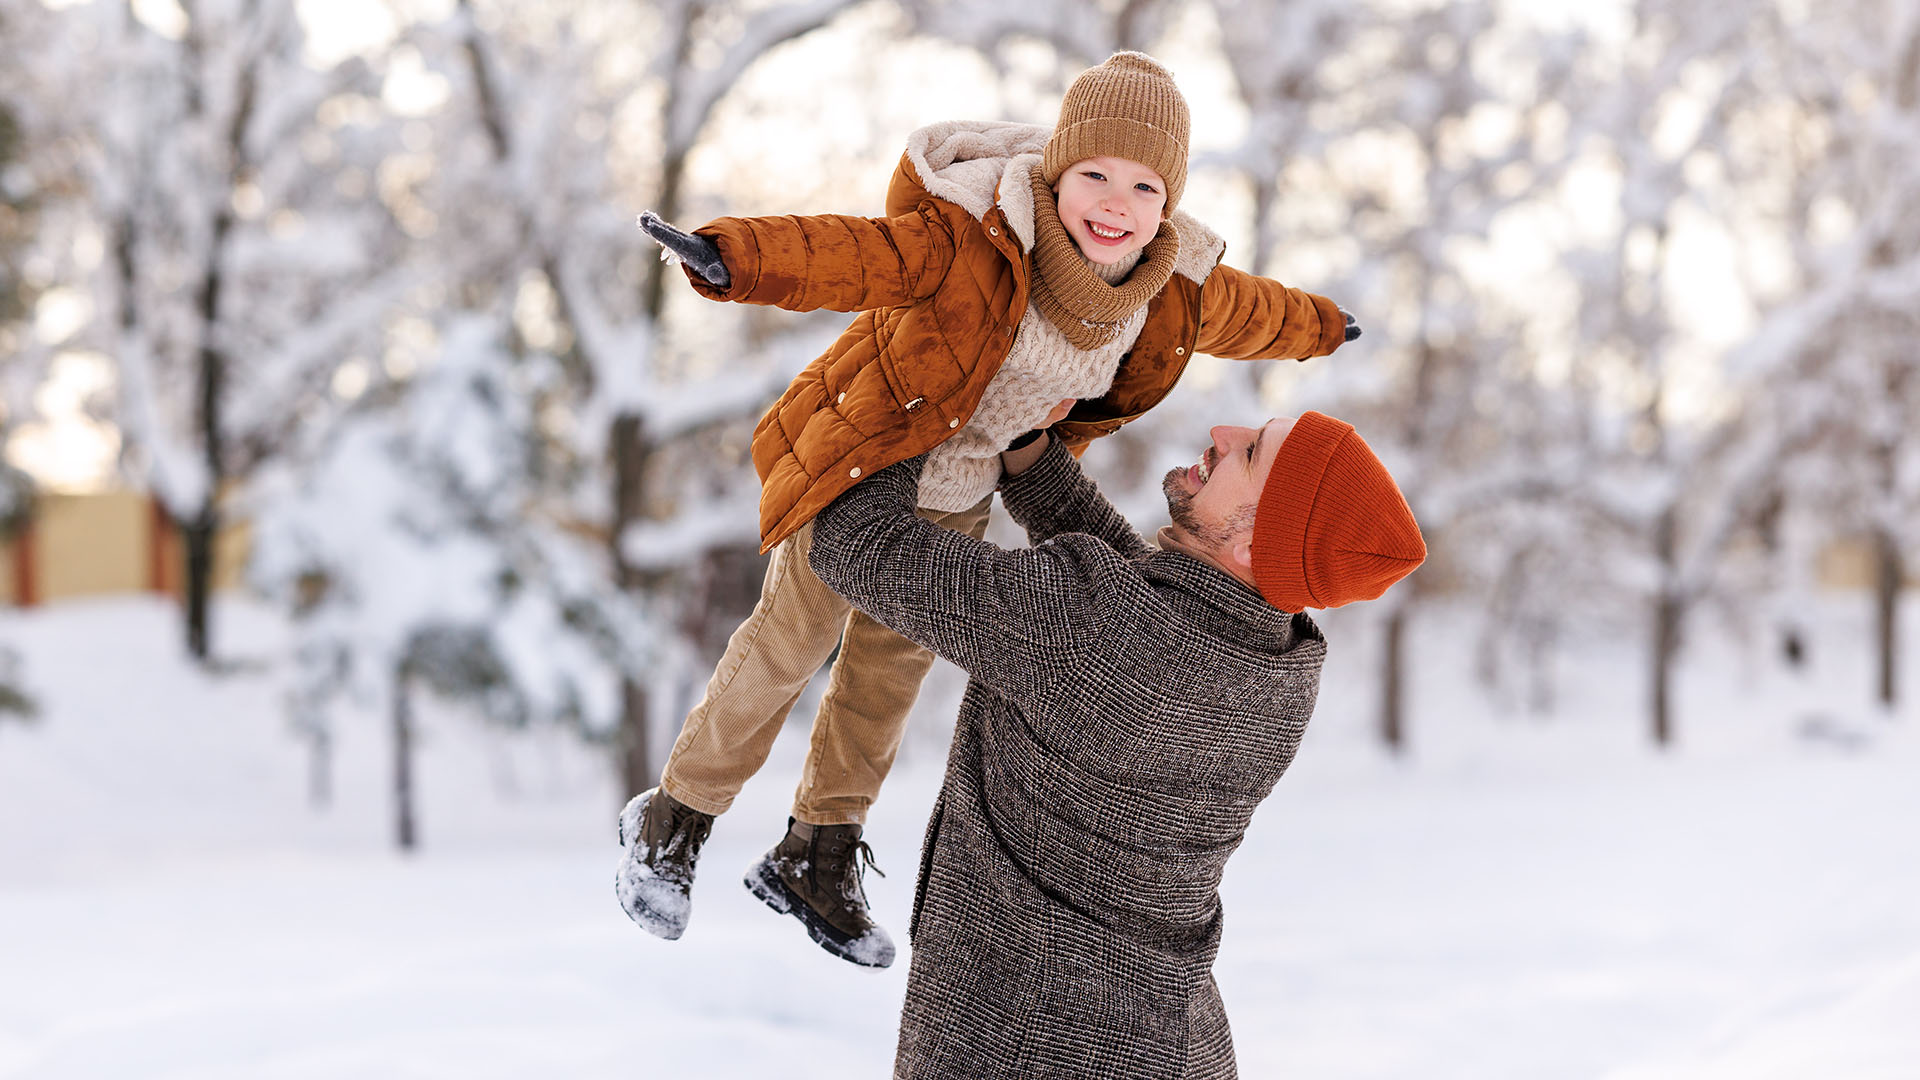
(697, 252)
(1353, 328)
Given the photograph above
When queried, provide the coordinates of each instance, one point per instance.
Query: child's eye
(1250, 453)
(1091, 175)
(1146, 187)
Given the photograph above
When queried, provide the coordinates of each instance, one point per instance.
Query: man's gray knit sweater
(1127, 710)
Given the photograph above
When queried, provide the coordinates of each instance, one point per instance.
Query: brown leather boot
(662, 837)
(813, 874)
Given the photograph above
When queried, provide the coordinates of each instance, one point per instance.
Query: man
(1128, 708)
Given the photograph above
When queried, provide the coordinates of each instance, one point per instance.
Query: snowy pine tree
(418, 547)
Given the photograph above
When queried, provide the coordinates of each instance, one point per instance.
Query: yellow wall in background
(86, 545)
(105, 543)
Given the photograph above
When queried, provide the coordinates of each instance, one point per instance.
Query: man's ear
(1240, 556)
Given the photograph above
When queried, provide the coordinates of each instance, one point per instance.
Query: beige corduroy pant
(769, 660)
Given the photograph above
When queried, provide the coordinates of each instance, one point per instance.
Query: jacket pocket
(926, 868)
(924, 365)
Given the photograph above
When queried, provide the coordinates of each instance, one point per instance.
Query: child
(1023, 279)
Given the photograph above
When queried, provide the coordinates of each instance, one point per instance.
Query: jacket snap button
(1179, 350)
(955, 422)
(992, 231)
(1009, 330)
(854, 474)
(841, 400)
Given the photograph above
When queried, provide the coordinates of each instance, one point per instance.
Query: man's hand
(1353, 328)
(1028, 448)
(700, 254)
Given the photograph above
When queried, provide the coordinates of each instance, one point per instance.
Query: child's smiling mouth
(1107, 235)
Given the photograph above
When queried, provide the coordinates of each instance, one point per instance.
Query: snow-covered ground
(1516, 897)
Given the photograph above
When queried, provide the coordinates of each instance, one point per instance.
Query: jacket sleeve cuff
(1333, 325)
(738, 250)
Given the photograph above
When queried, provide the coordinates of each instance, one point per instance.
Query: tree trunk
(630, 449)
(1666, 646)
(319, 769)
(1393, 681)
(632, 744)
(1888, 572)
(201, 533)
(634, 757)
(197, 537)
(1666, 649)
(1667, 609)
(405, 835)
(1264, 198)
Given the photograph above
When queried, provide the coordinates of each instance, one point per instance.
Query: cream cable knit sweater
(1042, 367)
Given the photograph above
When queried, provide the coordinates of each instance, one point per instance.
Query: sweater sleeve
(831, 261)
(1053, 497)
(1246, 317)
(1017, 621)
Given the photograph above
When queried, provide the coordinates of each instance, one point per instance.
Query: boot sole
(764, 882)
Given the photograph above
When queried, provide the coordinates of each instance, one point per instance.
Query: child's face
(1111, 206)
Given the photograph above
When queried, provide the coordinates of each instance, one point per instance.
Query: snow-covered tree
(1078, 31)
(1839, 274)
(1386, 153)
(418, 543)
(25, 255)
(244, 255)
(558, 128)
(1690, 431)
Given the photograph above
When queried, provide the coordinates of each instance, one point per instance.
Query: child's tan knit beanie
(1128, 108)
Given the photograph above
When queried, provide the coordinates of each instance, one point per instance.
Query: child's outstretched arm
(827, 261)
(1247, 317)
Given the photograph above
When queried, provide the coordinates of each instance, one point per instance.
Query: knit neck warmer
(1065, 289)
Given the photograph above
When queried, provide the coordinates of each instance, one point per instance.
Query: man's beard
(1180, 503)
(1212, 536)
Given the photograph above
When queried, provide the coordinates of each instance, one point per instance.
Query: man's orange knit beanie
(1332, 526)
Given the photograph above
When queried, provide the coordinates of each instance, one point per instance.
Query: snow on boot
(662, 838)
(813, 874)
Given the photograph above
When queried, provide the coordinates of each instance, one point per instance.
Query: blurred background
(374, 504)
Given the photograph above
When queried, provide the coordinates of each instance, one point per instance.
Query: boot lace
(690, 827)
(687, 829)
(848, 863)
(865, 855)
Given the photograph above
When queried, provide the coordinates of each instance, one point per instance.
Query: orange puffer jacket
(940, 285)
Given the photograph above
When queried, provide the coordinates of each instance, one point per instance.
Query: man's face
(1110, 206)
(1213, 500)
